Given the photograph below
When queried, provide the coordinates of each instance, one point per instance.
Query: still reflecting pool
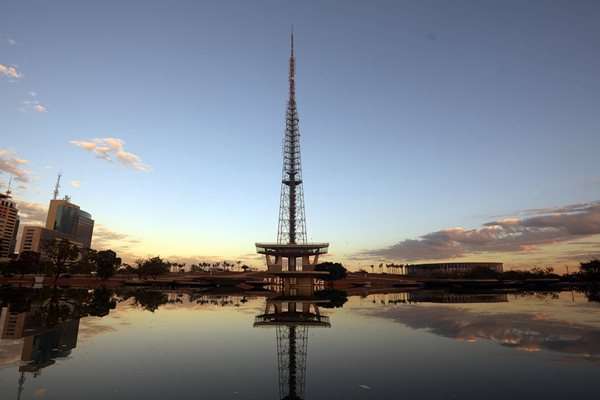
(134, 343)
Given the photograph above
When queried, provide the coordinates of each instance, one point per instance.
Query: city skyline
(172, 139)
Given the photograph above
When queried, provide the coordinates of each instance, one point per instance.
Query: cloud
(522, 331)
(10, 71)
(11, 164)
(32, 103)
(32, 213)
(537, 227)
(112, 148)
(76, 184)
(105, 238)
(11, 42)
(40, 108)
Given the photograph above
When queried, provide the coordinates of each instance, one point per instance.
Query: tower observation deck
(291, 255)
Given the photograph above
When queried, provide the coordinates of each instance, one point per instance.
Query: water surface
(81, 344)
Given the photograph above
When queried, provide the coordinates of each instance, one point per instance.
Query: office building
(65, 220)
(9, 224)
(68, 219)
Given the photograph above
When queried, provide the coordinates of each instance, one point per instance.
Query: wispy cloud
(13, 165)
(520, 234)
(34, 104)
(11, 41)
(110, 149)
(76, 184)
(40, 108)
(32, 213)
(105, 238)
(10, 71)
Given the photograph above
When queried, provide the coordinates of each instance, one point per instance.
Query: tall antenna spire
(292, 41)
(292, 224)
(8, 191)
(57, 186)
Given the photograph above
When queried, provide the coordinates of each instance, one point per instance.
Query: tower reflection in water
(292, 310)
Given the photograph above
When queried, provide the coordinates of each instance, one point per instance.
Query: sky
(431, 130)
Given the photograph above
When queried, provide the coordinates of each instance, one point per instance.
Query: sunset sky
(430, 130)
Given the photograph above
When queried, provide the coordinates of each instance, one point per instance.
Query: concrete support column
(291, 263)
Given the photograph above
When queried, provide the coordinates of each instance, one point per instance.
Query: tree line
(61, 257)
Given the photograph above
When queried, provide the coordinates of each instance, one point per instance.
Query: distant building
(454, 268)
(9, 225)
(65, 220)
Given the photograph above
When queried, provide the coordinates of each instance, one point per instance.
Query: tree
(86, 264)
(590, 267)
(177, 267)
(62, 255)
(7, 268)
(127, 269)
(196, 268)
(101, 302)
(140, 267)
(336, 271)
(245, 268)
(107, 263)
(154, 267)
(149, 299)
(336, 298)
(27, 263)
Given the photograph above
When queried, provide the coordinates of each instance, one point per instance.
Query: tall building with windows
(65, 220)
(9, 224)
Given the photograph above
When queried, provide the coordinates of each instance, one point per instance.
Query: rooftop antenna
(57, 186)
(8, 191)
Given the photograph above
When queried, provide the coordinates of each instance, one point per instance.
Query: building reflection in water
(292, 310)
(47, 323)
(41, 345)
(439, 296)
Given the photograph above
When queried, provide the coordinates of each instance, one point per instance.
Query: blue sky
(416, 116)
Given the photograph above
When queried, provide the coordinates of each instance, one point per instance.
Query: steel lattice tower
(292, 222)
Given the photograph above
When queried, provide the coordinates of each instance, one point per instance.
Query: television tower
(292, 223)
(292, 252)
